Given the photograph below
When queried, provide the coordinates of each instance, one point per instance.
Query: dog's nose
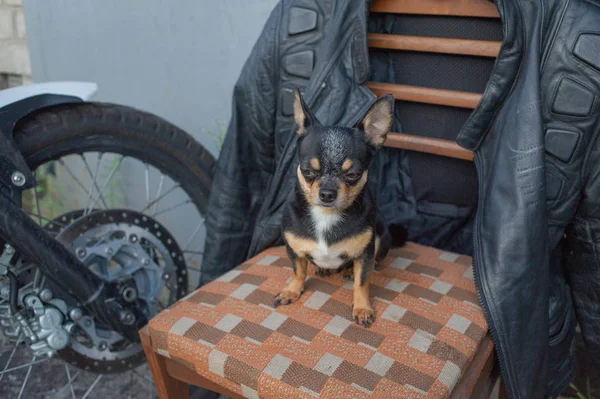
(327, 195)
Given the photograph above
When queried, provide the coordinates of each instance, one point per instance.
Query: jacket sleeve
(246, 162)
(582, 260)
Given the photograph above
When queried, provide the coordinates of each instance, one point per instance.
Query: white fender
(82, 90)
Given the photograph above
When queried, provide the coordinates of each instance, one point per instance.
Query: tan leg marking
(301, 246)
(362, 313)
(377, 245)
(292, 292)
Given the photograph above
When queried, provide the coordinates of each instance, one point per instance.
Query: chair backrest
(437, 56)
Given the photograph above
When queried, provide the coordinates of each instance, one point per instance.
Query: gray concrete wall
(14, 56)
(178, 59)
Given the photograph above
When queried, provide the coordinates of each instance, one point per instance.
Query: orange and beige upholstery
(428, 329)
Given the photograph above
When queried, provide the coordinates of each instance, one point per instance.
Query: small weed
(580, 395)
(217, 131)
(49, 195)
(113, 194)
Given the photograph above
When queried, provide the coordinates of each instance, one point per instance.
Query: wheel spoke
(197, 269)
(11, 355)
(159, 191)
(94, 176)
(130, 383)
(91, 388)
(69, 384)
(64, 165)
(169, 191)
(26, 378)
(45, 219)
(108, 179)
(187, 251)
(34, 362)
(70, 380)
(172, 208)
(37, 205)
(189, 241)
(147, 181)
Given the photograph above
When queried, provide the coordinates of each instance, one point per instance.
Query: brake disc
(114, 244)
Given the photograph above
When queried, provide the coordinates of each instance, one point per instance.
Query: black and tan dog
(330, 218)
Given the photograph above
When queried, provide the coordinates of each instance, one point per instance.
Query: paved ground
(48, 379)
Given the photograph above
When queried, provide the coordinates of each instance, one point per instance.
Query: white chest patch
(323, 256)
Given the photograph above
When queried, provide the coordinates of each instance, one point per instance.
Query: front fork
(103, 300)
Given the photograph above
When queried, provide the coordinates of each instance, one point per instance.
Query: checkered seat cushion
(428, 327)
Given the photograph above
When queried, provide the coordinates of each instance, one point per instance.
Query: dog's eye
(308, 173)
(352, 176)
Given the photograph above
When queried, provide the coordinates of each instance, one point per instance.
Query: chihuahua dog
(330, 218)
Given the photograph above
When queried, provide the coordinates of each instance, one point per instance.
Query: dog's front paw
(363, 316)
(319, 271)
(286, 297)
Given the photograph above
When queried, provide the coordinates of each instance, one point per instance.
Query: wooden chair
(241, 346)
(172, 375)
(172, 379)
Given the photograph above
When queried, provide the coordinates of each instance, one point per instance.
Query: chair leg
(167, 387)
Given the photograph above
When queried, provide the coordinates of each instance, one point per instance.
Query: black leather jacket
(537, 226)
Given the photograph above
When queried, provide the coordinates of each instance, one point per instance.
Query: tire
(51, 133)
(54, 131)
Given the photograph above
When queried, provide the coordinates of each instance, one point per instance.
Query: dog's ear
(377, 122)
(302, 114)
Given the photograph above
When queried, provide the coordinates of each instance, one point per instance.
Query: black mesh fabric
(440, 71)
(435, 179)
(437, 26)
(431, 120)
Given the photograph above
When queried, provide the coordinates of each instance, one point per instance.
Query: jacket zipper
(484, 305)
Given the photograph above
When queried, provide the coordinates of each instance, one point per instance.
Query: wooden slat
(428, 145)
(462, 8)
(479, 378)
(481, 48)
(182, 373)
(426, 95)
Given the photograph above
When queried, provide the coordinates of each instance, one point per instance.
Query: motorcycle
(101, 225)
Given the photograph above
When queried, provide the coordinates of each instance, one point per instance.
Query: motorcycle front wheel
(126, 192)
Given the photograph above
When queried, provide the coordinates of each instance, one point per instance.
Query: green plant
(47, 199)
(113, 194)
(581, 395)
(46, 196)
(217, 131)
